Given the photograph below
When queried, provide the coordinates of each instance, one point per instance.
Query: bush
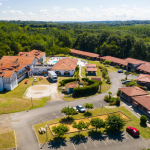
(63, 82)
(106, 98)
(117, 66)
(104, 69)
(118, 101)
(100, 67)
(101, 61)
(118, 93)
(143, 87)
(104, 73)
(143, 119)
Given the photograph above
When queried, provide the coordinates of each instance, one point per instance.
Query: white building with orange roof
(8, 80)
(39, 55)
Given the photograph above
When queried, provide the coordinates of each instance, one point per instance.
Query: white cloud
(20, 12)
(8, 7)
(101, 6)
(124, 5)
(31, 14)
(0, 3)
(12, 11)
(86, 9)
(4, 12)
(43, 10)
(56, 8)
(72, 10)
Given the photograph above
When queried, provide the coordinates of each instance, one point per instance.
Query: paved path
(24, 121)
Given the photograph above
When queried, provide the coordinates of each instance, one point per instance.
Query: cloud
(124, 5)
(0, 3)
(101, 6)
(20, 12)
(72, 10)
(31, 14)
(56, 8)
(12, 11)
(43, 10)
(86, 9)
(4, 12)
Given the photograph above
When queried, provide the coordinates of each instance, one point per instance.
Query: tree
(88, 106)
(38, 46)
(108, 62)
(68, 111)
(127, 73)
(100, 84)
(143, 119)
(86, 73)
(115, 122)
(81, 125)
(61, 129)
(109, 93)
(97, 123)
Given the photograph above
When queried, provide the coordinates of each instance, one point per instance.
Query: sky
(77, 10)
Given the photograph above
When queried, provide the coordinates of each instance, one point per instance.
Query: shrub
(117, 66)
(118, 101)
(143, 87)
(104, 69)
(106, 98)
(118, 93)
(101, 61)
(100, 67)
(143, 119)
(125, 78)
(104, 73)
(63, 82)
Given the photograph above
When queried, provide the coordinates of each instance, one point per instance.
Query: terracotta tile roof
(144, 67)
(17, 59)
(144, 78)
(98, 79)
(133, 91)
(91, 65)
(143, 100)
(114, 60)
(72, 85)
(6, 73)
(33, 53)
(134, 61)
(83, 53)
(91, 69)
(65, 64)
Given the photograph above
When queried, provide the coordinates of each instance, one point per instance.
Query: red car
(133, 131)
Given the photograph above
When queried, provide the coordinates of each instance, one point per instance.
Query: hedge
(63, 82)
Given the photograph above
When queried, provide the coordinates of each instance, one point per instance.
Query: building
(91, 71)
(85, 54)
(115, 61)
(143, 80)
(91, 65)
(98, 79)
(142, 103)
(39, 55)
(70, 86)
(8, 80)
(65, 67)
(129, 92)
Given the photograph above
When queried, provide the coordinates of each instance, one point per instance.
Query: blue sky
(77, 10)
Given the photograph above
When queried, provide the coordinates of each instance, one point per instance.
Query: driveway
(26, 138)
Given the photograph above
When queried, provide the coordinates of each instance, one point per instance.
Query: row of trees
(113, 122)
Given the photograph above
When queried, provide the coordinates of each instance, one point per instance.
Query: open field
(135, 122)
(7, 140)
(69, 123)
(14, 101)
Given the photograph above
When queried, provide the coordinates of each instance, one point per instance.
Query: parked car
(126, 81)
(75, 109)
(45, 75)
(120, 71)
(80, 108)
(133, 131)
(63, 89)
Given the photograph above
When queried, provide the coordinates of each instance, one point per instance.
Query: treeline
(56, 38)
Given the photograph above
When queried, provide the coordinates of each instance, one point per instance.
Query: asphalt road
(26, 139)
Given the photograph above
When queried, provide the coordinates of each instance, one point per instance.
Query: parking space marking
(73, 146)
(42, 120)
(61, 145)
(47, 116)
(55, 115)
(111, 137)
(103, 140)
(123, 136)
(83, 143)
(94, 143)
(129, 135)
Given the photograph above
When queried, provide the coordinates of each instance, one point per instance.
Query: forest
(120, 39)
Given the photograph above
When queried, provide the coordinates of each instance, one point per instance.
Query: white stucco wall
(1, 83)
(62, 72)
(21, 78)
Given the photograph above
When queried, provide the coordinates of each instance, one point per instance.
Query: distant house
(70, 86)
(65, 67)
(129, 92)
(142, 103)
(84, 54)
(144, 80)
(92, 71)
(91, 65)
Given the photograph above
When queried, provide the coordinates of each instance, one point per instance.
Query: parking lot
(92, 142)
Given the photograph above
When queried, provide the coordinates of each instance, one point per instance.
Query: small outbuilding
(92, 71)
(98, 79)
(91, 65)
(70, 86)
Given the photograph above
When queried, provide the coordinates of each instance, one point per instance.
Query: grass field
(14, 101)
(7, 140)
(135, 122)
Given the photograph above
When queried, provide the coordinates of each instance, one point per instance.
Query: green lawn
(7, 140)
(14, 101)
(135, 122)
